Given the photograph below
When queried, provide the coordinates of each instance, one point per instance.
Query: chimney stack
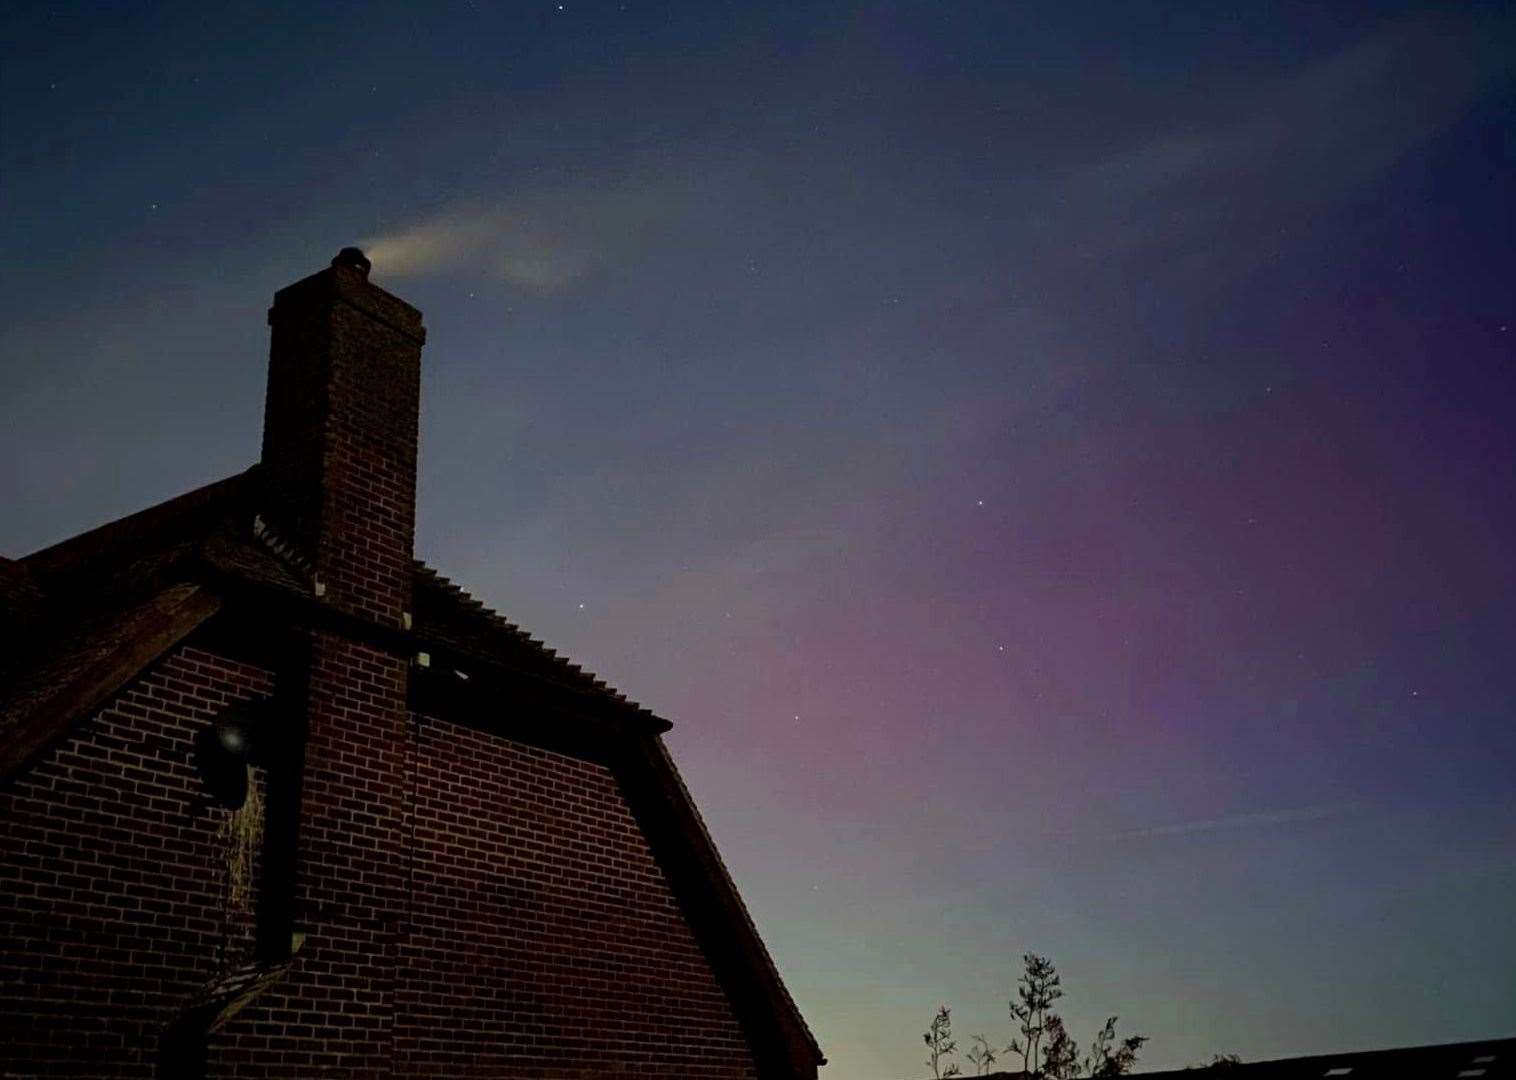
(339, 434)
(339, 465)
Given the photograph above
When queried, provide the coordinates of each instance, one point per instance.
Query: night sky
(1051, 462)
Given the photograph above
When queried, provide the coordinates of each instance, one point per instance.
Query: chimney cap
(354, 257)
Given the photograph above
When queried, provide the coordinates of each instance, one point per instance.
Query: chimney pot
(354, 257)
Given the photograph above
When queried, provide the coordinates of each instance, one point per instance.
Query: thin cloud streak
(1263, 820)
(1223, 194)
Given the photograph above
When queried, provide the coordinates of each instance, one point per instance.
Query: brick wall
(114, 901)
(473, 906)
(543, 939)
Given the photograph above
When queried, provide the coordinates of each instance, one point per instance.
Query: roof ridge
(69, 554)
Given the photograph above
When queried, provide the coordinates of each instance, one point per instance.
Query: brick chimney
(339, 434)
(339, 462)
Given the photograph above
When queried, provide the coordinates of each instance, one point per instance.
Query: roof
(95, 610)
(105, 651)
(448, 615)
(102, 594)
(216, 533)
(18, 592)
(1490, 1059)
(688, 818)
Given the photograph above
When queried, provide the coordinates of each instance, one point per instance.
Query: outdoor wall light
(224, 749)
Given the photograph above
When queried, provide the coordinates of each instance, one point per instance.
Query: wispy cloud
(1232, 822)
(540, 242)
(1221, 191)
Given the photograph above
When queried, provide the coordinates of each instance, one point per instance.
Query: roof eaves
(572, 674)
(769, 971)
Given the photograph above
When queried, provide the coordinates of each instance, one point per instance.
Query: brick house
(276, 799)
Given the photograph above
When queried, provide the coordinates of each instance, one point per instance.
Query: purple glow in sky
(1051, 462)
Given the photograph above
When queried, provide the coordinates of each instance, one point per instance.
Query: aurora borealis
(1052, 463)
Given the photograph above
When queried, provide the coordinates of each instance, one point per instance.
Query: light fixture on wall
(225, 748)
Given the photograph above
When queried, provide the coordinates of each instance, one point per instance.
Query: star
(581, 607)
